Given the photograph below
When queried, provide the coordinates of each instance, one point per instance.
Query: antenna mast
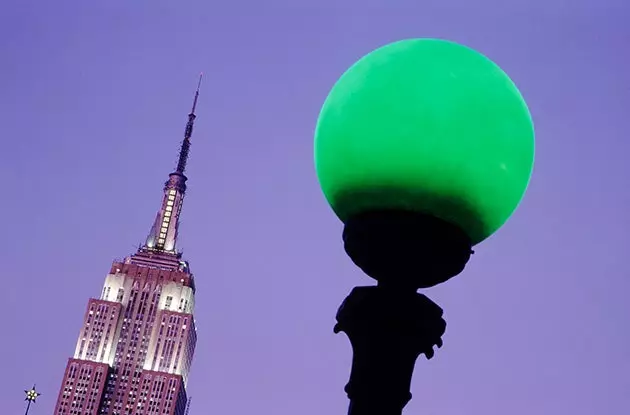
(183, 152)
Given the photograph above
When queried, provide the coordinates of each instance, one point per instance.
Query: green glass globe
(429, 126)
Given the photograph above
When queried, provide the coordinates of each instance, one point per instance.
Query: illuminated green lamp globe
(430, 127)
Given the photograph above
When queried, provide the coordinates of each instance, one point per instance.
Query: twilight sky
(93, 102)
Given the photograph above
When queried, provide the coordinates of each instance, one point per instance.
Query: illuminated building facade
(136, 345)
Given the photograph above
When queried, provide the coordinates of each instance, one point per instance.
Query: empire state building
(137, 341)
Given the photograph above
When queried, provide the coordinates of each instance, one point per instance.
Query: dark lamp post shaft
(388, 330)
(390, 325)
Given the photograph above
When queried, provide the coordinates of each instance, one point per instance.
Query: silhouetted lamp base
(390, 325)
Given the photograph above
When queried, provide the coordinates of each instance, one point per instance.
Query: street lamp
(423, 149)
(31, 397)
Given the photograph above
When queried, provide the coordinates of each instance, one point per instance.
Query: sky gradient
(93, 103)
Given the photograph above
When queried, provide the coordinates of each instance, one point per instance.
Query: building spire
(163, 234)
(183, 152)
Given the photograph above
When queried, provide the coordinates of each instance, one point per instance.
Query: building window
(169, 300)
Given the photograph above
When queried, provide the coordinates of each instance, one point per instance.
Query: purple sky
(93, 102)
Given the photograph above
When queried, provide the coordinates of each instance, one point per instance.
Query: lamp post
(31, 397)
(423, 149)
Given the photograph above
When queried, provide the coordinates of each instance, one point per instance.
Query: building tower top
(163, 235)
